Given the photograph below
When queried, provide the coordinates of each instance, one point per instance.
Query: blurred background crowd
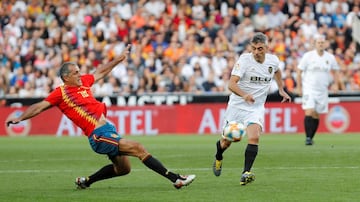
(187, 46)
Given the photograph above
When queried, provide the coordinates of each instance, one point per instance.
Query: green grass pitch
(44, 168)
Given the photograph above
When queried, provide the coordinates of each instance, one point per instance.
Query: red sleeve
(88, 80)
(54, 97)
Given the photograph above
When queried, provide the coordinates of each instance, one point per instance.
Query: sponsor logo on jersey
(257, 79)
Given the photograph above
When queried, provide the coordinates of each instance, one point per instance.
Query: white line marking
(183, 169)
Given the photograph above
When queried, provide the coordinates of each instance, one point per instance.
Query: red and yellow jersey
(79, 104)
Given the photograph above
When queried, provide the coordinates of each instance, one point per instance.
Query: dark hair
(64, 69)
(259, 38)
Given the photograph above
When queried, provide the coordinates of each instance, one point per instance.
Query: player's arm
(279, 82)
(299, 81)
(105, 69)
(337, 80)
(233, 87)
(30, 112)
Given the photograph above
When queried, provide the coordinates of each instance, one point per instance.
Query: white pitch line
(41, 160)
(183, 169)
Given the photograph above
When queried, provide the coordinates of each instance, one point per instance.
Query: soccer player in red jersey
(75, 99)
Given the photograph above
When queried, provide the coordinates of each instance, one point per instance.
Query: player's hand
(249, 98)
(125, 52)
(285, 96)
(8, 122)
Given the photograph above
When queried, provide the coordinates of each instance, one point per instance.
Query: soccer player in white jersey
(313, 79)
(249, 83)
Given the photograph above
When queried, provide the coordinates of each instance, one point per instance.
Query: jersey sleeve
(88, 80)
(239, 67)
(55, 97)
(276, 62)
(303, 62)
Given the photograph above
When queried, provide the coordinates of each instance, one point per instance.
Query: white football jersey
(316, 71)
(255, 79)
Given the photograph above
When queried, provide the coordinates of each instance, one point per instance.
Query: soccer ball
(234, 131)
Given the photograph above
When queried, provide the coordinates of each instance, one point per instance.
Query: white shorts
(317, 101)
(245, 117)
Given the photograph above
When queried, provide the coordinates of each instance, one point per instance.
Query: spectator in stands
(218, 63)
(323, 4)
(185, 69)
(19, 78)
(19, 6)
(13, 31)
(198, 77)
(209, 84)
(27, 90)
(289, 82)
(3, 86)
(228, 27)
(294, 21)
(115, 85)
(340, 3)
(155, 7)
(308, 13)
(41, 62)
(102, 88)
(34, 8)
(339, 20)
(139, 19)
(67, 32)
(276, 19)
(177, 84)
(124, 9)
(324, 19)
(351, 18)
(352, 15)
(107, 26)
(260, 20)
(309, 29)
(130, 81)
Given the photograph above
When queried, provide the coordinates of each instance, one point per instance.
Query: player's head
(70, 74)
(259, 46)
(319, 41)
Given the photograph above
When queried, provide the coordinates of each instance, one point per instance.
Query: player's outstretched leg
(177, 179)
(120, 166)
(184, 180)
(136, 149)
(80, 183)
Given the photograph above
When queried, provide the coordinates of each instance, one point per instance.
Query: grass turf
(44, 168)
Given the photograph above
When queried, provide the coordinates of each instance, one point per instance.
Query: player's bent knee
(124, 170)
(225, 143)
(137, 147)
(253, 139)
(138, 150)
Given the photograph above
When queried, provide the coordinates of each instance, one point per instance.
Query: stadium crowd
(177, 46)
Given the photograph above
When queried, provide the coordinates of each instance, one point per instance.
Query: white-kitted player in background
(317, 69)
